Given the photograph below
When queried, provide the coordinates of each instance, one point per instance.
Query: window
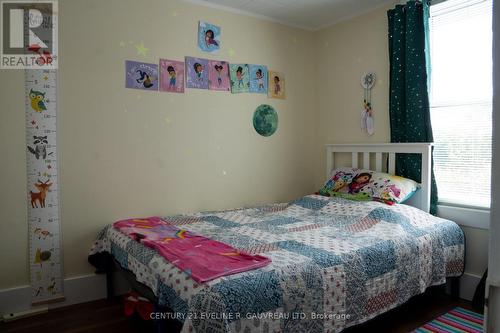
(461, 100)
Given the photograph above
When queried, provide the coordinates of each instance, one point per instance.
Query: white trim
(298, 26)
(422, 199)
(355, 15)
(79, 289)
(246, 13)
(468, 284)
(469, 217)
(92, 287)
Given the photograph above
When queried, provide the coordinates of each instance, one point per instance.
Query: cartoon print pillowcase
(361, 184)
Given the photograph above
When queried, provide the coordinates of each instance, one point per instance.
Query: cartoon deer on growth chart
(43, 187)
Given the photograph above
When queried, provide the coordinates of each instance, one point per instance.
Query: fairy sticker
(171, 76)
(140, 75)
(197, 73)
(218, 75)
(208, 37)
(240, 78)
(276, 85)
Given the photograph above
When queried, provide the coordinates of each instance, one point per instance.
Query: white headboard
(422, 199)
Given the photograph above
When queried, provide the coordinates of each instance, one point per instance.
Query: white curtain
(492, 322)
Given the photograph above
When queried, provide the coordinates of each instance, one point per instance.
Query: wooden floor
(107, 316)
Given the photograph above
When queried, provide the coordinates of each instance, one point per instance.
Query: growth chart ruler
(45, 260)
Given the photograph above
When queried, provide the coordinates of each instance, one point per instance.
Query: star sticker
(122, 43)
(33, 122)
(49, 166)
(45, 77)
(231, 52)
(168, 121)
(141, 49)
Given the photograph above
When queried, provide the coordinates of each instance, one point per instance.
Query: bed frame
(385, 161)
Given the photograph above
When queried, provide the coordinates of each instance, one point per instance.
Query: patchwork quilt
(335, 263)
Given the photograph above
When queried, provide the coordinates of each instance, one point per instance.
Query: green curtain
(409, 100)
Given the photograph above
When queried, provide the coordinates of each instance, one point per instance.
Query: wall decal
(265, 120)
(171, 76)
(218, 75)
(43, 186)
(37, 100)
(276, 85)
(140, 75)
(208, 37)
(141, 49)
(197, 73)
(240, 78)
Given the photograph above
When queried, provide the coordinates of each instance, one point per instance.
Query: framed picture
(258, 79)
(141, 75)
(208, 37)
(218, 75)
(276, 85)
(196, 73)
(240, 78)
(172, 76)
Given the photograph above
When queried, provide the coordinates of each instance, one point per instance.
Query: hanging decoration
(367, 123)
(43, 186)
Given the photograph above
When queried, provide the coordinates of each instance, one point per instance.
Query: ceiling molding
(246, 13)
(273, 20)
(360, 13)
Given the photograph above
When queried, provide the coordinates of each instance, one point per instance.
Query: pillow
(361, 184)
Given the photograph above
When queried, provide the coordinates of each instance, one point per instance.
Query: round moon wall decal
(265, 120)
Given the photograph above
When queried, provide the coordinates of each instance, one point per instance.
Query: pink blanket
(202, 258)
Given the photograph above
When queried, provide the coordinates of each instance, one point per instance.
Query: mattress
(335, 263)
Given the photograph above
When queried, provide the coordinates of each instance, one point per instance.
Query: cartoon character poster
(258, 79)
(276, 85)
(208, 37)
(218, 75)
(171, 76)
(196, 73)
(140, 75)
(240, 78)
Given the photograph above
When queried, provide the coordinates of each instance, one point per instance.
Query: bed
(335, 262)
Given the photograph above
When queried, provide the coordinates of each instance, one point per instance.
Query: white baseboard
(468, 284)
(79, 289)
(92, 287)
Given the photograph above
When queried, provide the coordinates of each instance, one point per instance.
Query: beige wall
(126, 152)
(343, 52)
(129, 153)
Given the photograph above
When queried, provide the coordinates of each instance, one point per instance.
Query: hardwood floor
(107, 316)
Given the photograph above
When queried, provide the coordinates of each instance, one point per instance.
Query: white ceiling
(306, 14)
